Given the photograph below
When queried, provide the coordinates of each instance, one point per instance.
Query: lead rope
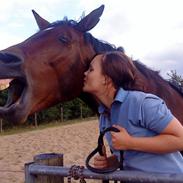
(99, 149)
(76, 172)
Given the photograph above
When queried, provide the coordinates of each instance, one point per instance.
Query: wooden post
(1, 125)
(35, 119)
(28, 177)
(81, 111)
(61, 113)
(50, 159)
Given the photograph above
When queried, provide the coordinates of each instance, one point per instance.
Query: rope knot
(76, 172)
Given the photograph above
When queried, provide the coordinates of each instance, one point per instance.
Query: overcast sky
(149, 30)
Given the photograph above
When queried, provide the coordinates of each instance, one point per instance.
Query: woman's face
(94, 80)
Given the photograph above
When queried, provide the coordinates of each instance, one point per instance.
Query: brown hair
(120, 68)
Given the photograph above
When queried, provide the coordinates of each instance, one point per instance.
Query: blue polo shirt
(142, 115)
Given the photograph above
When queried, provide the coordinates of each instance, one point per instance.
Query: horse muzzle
(11, 69)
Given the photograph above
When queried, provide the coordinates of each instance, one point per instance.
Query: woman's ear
(104, 81)
(107, 80)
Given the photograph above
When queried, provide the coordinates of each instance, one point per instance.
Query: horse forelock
(65, 21)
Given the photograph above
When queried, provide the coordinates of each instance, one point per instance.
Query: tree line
(61, 112)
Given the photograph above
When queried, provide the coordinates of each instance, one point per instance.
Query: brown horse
(48, 68)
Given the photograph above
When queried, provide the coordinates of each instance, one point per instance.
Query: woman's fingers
(120, 140)
(104, 151)
(100, 161)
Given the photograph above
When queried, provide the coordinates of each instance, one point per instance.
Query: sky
(149, 30)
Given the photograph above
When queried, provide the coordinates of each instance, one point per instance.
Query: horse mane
(151, 74)
(176, 87)
(148, 72)
(100, 45)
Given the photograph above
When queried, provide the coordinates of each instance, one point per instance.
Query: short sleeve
(155, 114)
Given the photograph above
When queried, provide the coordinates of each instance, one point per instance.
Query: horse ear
(42, 23)
(89, 21)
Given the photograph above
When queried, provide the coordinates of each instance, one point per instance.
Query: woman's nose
(85, 73)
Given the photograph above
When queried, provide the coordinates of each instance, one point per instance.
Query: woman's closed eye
(90, 69)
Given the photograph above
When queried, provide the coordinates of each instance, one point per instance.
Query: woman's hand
(120, 140)
(102, 162)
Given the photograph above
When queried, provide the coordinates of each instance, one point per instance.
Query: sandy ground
(74, 141)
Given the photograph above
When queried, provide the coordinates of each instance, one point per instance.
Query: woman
(150, 136)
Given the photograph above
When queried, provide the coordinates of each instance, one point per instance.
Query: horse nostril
(9, 58)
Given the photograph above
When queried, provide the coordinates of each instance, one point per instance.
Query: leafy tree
(3, 97)
(175, 78)
(71, 110)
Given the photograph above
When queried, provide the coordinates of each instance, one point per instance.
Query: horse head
(48, 67)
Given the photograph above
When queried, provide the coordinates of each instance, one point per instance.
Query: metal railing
(55, 174)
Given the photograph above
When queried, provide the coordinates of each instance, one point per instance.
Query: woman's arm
(170, 140)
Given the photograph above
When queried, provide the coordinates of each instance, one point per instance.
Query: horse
(48, 68)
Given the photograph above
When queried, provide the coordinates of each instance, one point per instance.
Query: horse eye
(64, 40)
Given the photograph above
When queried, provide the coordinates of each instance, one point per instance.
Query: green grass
(27, 128)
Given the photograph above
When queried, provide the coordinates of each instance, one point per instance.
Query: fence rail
(32, 170)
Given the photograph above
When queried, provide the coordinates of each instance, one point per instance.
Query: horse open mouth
(11, 69)
(16, 90)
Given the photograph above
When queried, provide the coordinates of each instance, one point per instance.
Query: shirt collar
(120, 97)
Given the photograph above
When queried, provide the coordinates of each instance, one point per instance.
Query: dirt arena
(74, 141)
